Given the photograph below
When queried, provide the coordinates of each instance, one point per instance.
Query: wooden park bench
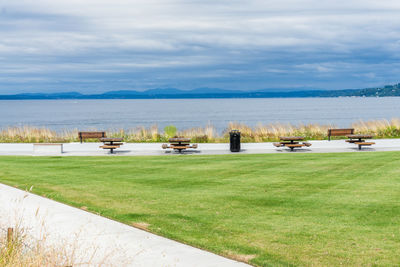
(90, 135)
(339, 132)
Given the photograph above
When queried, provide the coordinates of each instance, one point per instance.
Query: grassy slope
(289, 209)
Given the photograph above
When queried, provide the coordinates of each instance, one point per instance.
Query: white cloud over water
(111, 45)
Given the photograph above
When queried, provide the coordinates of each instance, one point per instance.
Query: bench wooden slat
(294, 145)
(180, 147)
(360, 144)
(364, 143)
(109, 147)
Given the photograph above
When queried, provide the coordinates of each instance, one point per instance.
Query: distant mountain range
(169, 93)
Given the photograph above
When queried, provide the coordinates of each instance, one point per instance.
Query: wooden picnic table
(291, 142)
(179, 143)
(179, 140)
(292, 139)
(111, 143)
(359, 139)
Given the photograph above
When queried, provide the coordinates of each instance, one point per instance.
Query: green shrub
(170, 131)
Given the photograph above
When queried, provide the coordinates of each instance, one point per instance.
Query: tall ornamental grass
(207, 134)
(21, 251)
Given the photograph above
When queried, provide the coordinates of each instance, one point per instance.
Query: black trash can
(234, 137)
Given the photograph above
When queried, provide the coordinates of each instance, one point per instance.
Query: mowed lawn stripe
(287, 209)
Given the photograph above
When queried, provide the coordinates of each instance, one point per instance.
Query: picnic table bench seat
(292, 146)
(110, 146)
(277, 144)
(352, 141)
(360, 144)
(295, 145)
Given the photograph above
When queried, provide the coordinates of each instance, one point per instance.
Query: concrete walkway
(141, 149)
(96, 239)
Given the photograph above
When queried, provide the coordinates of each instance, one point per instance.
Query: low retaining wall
(47, 149)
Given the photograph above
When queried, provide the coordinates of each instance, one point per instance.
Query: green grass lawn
(287, 209)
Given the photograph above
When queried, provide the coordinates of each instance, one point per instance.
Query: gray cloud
(101, 45)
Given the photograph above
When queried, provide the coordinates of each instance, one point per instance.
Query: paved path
(110, 242)
(137, 149)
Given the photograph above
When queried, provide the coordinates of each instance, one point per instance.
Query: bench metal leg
(359, 147)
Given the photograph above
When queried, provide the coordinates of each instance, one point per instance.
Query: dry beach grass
(29, 244)
(207, 134)
(22, 251)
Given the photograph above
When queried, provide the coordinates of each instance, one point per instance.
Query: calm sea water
(187, 113)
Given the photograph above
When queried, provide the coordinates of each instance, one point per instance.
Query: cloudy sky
(102, 45)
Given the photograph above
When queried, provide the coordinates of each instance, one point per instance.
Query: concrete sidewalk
(142, 149)
(96, 239)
